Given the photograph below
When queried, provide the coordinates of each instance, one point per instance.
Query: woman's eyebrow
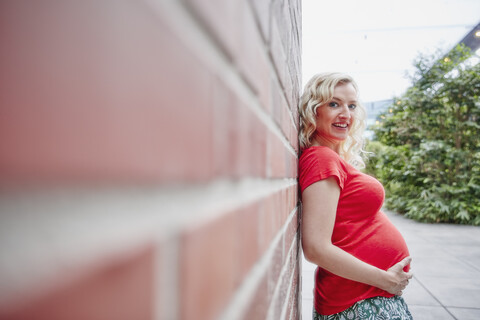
(340, 100)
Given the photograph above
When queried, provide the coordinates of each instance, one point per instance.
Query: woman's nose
(345, 112)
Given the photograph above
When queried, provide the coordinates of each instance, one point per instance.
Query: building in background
(472, 39)
(374, 109)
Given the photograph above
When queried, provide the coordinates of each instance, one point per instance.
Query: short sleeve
(319, 163)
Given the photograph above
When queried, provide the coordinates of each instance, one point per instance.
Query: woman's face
(336, 117)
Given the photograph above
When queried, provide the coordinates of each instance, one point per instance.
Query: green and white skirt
(377, 308)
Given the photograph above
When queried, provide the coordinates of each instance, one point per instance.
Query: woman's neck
(319, 141)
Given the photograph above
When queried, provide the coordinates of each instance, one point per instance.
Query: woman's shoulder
(322, 158)
(319, 153)
(318, 163)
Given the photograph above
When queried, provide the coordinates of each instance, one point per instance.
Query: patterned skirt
(377, 308)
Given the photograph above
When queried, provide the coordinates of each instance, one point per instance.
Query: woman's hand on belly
(396, 279)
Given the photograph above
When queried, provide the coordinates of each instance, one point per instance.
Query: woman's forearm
(343, 264)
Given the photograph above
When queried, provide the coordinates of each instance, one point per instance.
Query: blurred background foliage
(426, 148)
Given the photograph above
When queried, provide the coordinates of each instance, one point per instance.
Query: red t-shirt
(360, 229)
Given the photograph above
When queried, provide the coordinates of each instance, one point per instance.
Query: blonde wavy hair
(317, 92)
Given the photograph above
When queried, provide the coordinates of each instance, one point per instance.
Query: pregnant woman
(363, 261)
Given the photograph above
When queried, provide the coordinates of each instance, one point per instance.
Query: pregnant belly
(379, 243)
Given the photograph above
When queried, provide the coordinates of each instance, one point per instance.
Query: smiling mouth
(340, 125)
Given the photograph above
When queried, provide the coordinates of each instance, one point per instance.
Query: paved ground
(446, 267)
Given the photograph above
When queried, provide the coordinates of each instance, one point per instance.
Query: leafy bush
(427, 149)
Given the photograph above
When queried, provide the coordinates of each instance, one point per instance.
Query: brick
(221, 21)
(186, 123)
(284, 284)
(293, 196)
(251, 58)
(279, 210)
(288, 87)
(259, 302)
(239, 138)
(262, 10)
(277, 53)
(266, 225)
(278, 103)
(248, 237)
(292, 233)
(283, 199)
(100, 114)
(227, 119)
(281, 17)
(293, 138)
(275, 100)
(296, 16)
(209, 267)
(293, 299)
(276, 160)
(273, 214)
(276, 265)
(122, 289)
(253, 144)
(287, 123)
(282, 163)
(257, 147)
(289, 26)
(296, 61)
(291, 164)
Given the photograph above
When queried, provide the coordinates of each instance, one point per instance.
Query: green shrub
(427, 150)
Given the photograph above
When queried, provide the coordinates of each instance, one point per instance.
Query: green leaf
(463, 215)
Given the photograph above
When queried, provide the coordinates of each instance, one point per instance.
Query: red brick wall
(148, 159)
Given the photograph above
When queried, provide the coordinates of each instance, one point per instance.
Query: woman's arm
(319, 209)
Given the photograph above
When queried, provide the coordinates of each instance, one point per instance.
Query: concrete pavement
(446, 267)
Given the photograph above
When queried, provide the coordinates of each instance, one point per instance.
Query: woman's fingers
(402, 264)
(405, 262)
(400, 278)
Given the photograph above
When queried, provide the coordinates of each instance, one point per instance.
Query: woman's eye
(333, 104)
(352, 106)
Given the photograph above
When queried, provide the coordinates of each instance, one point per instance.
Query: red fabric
(360, 228)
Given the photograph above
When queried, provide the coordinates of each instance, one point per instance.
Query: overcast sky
(376, 41)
